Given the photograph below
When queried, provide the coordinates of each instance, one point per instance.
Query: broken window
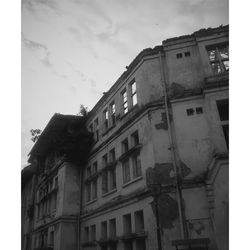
(187, 54)
(136, 163)
(199, 110)
(104, 181)
(127, 226)
(124, 101)
(112, 228)
(134, 94)
(218, 55)
(104, 230)
(94, 189)
(190, 112)
(86, 234)
(139, 221)
(105, 119)
(112, 112)
(126, 171)
(223, 109)
(135, 138)
(179, 55)
(124, 146)
(92, 233)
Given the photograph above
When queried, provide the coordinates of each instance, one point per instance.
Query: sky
(74, 50)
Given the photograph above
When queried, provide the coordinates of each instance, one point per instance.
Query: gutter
(168, 110)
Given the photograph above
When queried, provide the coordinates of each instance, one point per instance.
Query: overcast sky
(74, 50)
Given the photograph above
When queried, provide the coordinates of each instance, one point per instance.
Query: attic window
(190, 112)
(179, 55)
(187, 54)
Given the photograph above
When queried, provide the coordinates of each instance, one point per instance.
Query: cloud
(33, 45)
(34, 5)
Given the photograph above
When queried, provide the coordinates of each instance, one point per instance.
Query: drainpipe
(167, 106)
(80, 213)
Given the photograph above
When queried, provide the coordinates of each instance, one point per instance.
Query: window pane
(104, 182)
(224, 53)
(134, 99)
(212, 55)
(136, 166)
(226, 65)
(133, 86)
(126, 172)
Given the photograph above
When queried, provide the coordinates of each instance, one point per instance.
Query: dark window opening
(140, 244)
(92, 233)
(199, 110)
(136, 166)
(139, 221)
(125, 146)
(126, 171)
(112, 228)
(94, 189)
(104, 182)
(135, 138)
(187, 54)
(190, 112)
(128, 245)
(179, 55)
(127, 226)
(223, 108)
(226, 133)
(112, 155)
(104, 231)
(86, 234)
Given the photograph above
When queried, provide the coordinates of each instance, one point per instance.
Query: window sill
(130, 182)
(110, 192)
(90, 202)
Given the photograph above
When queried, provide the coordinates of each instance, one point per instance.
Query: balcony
(218, 80)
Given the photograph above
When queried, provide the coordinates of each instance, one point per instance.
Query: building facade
(160, 151)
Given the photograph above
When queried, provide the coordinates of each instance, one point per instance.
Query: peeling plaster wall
(194, 140)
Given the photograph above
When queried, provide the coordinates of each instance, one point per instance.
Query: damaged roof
(54, 128)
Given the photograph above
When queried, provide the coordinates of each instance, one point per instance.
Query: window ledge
(130, 182)
(90, 202)
(110, 192)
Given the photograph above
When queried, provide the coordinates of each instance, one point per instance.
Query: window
(96, 134)
(124, 146)
(140, 244)
(187, 54)
(135, 138)
(127, 226)
(88, 192)
(91, 128)
(104, 161)
(134, 95)
(190, 112)
(86, 234)
(104, 231)
(52, 238)
(179, 55)
(136, 165)
(139, 221)
(223, 108)
(128, 245)
(94, 189)
(105, 118)
(219, 57)
(104, 181)
(112, 113)
(112, 179)
(95, 167)
(112, 228)
(112, 155)
(88, 171)
(126, 171)
(124, 101)
(199, 110)
(92, 233)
